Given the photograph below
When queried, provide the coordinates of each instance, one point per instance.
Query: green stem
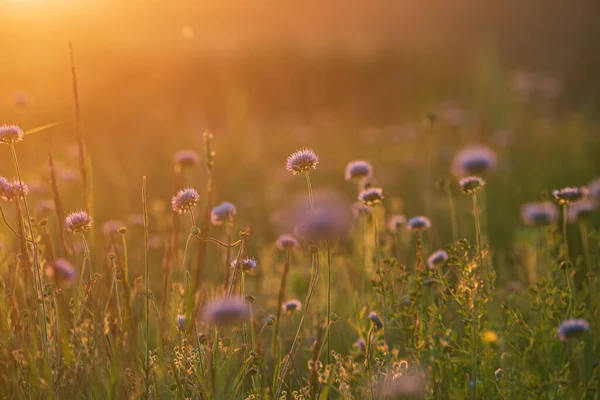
(381, 274)
(474, 315)
(147, 285)
(328, 300)
(369, 372)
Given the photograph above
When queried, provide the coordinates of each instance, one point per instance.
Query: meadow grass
(448, 287)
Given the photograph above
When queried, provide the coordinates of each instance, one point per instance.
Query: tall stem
(286, 270)
(381, 274)
(328, 300)
(310, 193)
(37, 277)
(474, 315)
(146, 284)
(369, 372)
(567, 259)
(452, 207)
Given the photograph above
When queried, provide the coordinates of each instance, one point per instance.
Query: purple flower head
(572, 329)
(539, 213)
(358, 170)
(419, 224)
(186, 158)
(224, 311)
(287, 242)
(395, 222)
(473, 160)
(185, 200)
(78, 221)
(10, 134)
(302, 161)
(222, 213)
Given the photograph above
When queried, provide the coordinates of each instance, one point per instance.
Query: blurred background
(349, 79)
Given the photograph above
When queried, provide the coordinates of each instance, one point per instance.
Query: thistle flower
(580, 210)
(61, 269)
(371, 196)
(473, 160)
(437, 259)
(222, 213)
(78, 221)
(10, 134)
(181, 320)
(186, 158)
(111, 227)
(471, 184)
(395, 222)
(418, 224)
(358, 170)
(184, 200)
(11, 190)
(375, 320)
(359, 209)
(292, 306)
(223, 311)
(247, 264)
(572, 329)
(287, 242)
(539, 213)
(569, 195)
(302, 161)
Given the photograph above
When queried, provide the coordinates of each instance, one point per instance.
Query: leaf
(43, 127)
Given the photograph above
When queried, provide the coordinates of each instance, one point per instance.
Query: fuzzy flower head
(375, 320)
(396, 222)
(186, 158)
(569, 195)
(360, 209)
(418, 224)
(222, 213)
(11, 190)
(181, 320)
(184, 200)
(287, 242)
(358, 170)
(302, 161)
(78, 221)
(581, 210)
(539, 213)
(61, 270)
(326, 224)
(224, 311)
(360, 344)
(473, 160)
(572, 329)
(292, 306)
(10, 134)
(371, 196)
(437, 259)
(471, 184)
(247, 264)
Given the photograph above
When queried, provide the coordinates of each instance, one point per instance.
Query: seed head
(371, 196)
(358, 170)
(224, 311)
(473, 160)
(569, 195)
(10, 134)
(419, 224)
(222, 213)
(437, 259)
(395, 222)
(292, 306)
(302, 161)
(184, 200)
(375, 320)
(287, 242)
(539, 213)
(572, 329)
(186, 158)
(471, 184)
(78, 221)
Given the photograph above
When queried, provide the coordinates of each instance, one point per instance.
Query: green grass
(483, 325)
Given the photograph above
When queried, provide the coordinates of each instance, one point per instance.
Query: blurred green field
(403, 86)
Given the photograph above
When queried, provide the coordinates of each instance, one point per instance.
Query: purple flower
(473, 160)
(184, 200)
(572, 329)
(78, 221)
(358, 170)
(302, 161)
(186, 158)
(395, 222)
(539, 213)
(226, 311)
(287, 242)
(221, 213)
(10, 134)
(418, 224)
